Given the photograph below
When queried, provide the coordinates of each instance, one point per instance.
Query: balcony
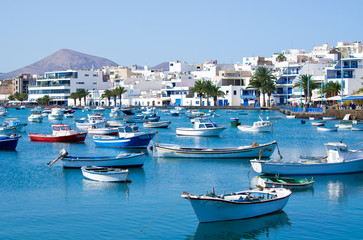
(348, 66)
(248, 96)
(49, 85)
(284, 82)
(340, 76)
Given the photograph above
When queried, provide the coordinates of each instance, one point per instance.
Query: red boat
(61, 133)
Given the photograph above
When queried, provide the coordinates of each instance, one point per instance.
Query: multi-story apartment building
(60, 84)
(21, 83)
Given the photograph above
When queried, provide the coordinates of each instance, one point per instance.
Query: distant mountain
(62, 60)
(162, 66)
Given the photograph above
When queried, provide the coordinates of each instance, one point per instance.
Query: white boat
(202, 127)
(99, 110)
(340, 159)
(356, 128)
(86, 109)
(35, 116)
(344, 126)
(273, 117)
(329, 118)
(162, 124)
(105, 174)
(290, 116)
(284, 182)
(312, 118)
(68, 115)
(14, 123)
(3, 112)
(259, 126)
(56, 114)
(94, 121)
(318, 123)
(103, 131)
(238, 205)
(169, 150)
(327, 129)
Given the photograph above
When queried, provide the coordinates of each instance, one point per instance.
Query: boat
(302, 121)
(259, 126)
(7, 130)
(339, 159)
(69, 110)
(99, 110)
(22, 107)
(121, 160)
(141, 118)
(202, 127)
(128, 137)
(312, 118)
(56, 114)
(346, 119)
(14, 123)
(35, 116)
(9, 142)
(327, 129)
(162, 124)
(68, 115)
(61, 133)
(251, 151)
(290, 116)
(238, 205)
(103, 131)
(318, 123)
(3, 112)
(356, 128)
(329, 118)
(235, 122)
(86, 109)
(105, 174)
(284, 182)
(273, 117)
(94, 121)
(344, 126)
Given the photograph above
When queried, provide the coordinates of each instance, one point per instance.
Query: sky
(147, 32)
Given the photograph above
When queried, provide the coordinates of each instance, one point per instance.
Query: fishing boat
(202, 127)
(329, 118)
(9, 142)
(128, 137)
(327, 129)
(235, 122)
(56, 114)
(14, 123)
(94, 121)
(290, 116)
(284, 182)
(103, 131)
(7, 130)
(342, 126)
(259, 126)
(162, 124)
(318, 123)
(121, 160)
(339, 159)
(169, 150)
(238, 205)
(61, 133)
(105, 174)
(35, 116)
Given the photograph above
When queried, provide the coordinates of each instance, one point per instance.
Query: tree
(120, 90)
(114, 95)
(82, 93)
(74, 96)
(208, 87)
(258, 81)
(24, 96)
(46, 99)
(107, 94)
(281, 57)
(215, 93)
(11, 97)
(332, 89)
(17, 96)
(305, 81)
(270, 87)
(199, 89)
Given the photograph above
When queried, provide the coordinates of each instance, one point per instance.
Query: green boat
(285, 182)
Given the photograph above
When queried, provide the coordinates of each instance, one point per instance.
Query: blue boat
(9, 142)
(128, 137)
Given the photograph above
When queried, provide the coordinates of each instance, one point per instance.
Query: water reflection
(96, 187)
(248, 228)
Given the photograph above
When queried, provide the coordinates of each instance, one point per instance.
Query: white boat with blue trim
(202, 127)
(238, 205)
(259, 126)
(105, 174)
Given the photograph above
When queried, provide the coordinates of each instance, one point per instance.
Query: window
(79, 82)
(86, 75)
(95, 75)
(234, 92)
(94, 82)
(227, 92)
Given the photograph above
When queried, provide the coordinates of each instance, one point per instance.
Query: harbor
(56, 202)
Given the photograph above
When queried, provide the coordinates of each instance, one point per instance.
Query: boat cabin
(200, 123)
(337, 152)
(95, 118)
(62, 130)
(12, 122)
(261, 123)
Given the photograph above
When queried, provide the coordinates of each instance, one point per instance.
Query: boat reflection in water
(95, 187)
(252, 228)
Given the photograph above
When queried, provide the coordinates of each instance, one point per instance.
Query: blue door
(225, 102)
(220, 102)
(178, 102)
(245, 102)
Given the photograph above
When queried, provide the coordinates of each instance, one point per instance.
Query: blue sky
(150, 32)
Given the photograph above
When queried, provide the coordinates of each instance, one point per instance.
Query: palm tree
(208, 87)
(281, 57)
(305, 81)
(74, 96)
(199, 89)
(24, 96)
(259, 80)
(332, 88)
(46, 99)
(11, 97)
(107, 94)
(120, 90)
(114, 95)
(82, 93)
(270, 87)
(215, 93)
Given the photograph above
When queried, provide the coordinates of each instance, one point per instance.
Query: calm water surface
(38, 202)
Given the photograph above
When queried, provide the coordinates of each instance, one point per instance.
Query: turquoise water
(38, 202)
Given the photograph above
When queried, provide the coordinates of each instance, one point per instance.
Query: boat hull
(243, 152)
(327, 129)
(35, 119)
(9, 143)
(245, 128)
(79, 137)
(163, 124)
(128, 160)
(107, 176)
(200, 132)
(307, 169)
(139, 141)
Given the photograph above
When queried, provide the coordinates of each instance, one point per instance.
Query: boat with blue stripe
(9, 142)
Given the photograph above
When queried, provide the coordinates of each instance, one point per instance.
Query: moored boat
(342, 126)
(162, 124)
(285, 182)
(329, 118)
(238, 205)
(357, 128)
(105, 174)
(339, 160)
(103, 131)
(259, 126)
(290, 116)
(327, 129)
(14, 123)
(202, 127)
(168, 150)
(94, 121)
(61, 133)
(318, 123)
(35, 116)
(9, 142)
(56, 114)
